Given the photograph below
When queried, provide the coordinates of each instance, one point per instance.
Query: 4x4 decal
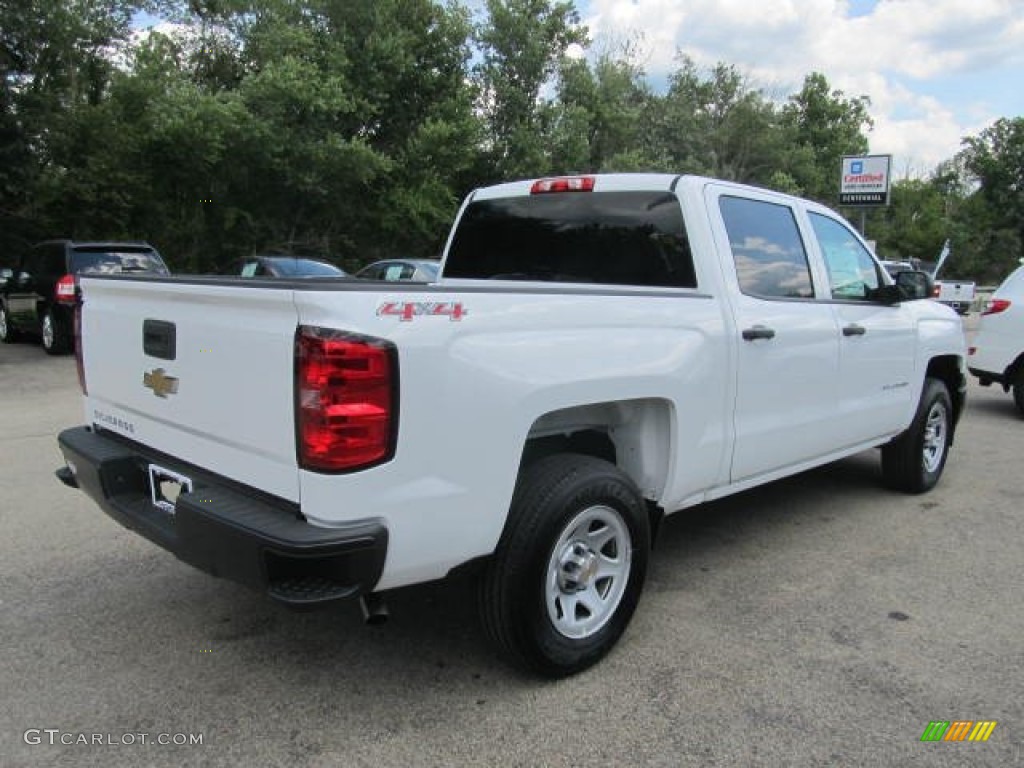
(407, 310)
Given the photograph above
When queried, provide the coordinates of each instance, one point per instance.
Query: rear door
(877, 342)
(788, 353)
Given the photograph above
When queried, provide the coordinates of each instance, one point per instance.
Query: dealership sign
(865, 180)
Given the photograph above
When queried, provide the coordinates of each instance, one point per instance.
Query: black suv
(39, 296)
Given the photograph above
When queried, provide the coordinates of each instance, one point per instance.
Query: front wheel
(570, 565)
(913, 462)
(1018, 396)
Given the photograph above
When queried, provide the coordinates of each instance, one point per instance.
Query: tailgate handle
(159, 339)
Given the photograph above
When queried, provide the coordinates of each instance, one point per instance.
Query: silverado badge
(161, 384)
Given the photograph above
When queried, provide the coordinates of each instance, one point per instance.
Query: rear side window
(616, 238)
(770, 258)
(116, 261)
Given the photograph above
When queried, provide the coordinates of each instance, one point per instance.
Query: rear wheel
(914, 461)
(1018, 395)
(8, 334)
(570, 566)
(55, 336)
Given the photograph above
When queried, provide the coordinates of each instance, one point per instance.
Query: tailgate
(951, 291)
(200, 371)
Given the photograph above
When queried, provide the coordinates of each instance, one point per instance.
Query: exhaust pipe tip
(375, 610)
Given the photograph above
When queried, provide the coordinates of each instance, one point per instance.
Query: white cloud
(915, 59)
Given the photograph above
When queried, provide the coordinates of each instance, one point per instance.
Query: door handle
(854, 330)
(758, 332)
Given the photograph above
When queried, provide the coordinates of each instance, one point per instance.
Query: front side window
(852, 273)
(769, 254)
(612, 238)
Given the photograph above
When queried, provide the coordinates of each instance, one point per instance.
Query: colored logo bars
(958, 730)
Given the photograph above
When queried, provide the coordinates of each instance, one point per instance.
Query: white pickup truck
(599, 351)
(958, 294)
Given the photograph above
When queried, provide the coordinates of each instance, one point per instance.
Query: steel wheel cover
(935, 437)
(587, 572)
(48, 337)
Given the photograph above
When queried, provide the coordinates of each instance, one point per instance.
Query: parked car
(39, 296)
(280, 265)
(997, 354)
(417, 270)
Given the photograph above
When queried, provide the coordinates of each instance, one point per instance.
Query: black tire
(56, 339)
(8, 334)
(914, 461)
(542, 565)
(1018, 395)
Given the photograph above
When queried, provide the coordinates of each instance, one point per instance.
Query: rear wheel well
(634, 435)
(589, 442)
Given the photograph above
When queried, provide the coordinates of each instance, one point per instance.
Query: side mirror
(914, 285)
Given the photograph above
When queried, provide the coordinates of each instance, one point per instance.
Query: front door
(876, 342)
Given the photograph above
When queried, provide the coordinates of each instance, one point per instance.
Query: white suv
(997, 354)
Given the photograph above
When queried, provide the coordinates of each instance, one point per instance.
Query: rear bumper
(225, 529)
(961, 307)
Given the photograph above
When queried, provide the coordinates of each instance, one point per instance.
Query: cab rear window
(616, 238)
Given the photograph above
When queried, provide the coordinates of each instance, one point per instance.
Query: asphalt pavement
(821, 620)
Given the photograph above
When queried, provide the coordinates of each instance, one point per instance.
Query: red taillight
(65, 290)
(995, 306)
(936, 291)
(563, 184)
(79, 360)
(346, 400)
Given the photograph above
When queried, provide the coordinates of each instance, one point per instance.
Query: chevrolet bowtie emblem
(161, 384)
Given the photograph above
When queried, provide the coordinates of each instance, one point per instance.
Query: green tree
(55, 59)
(521, 44)
(916, 223)
(821, 126)
(600, 116)
(719, 125)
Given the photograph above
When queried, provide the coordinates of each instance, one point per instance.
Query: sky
(935, 70)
